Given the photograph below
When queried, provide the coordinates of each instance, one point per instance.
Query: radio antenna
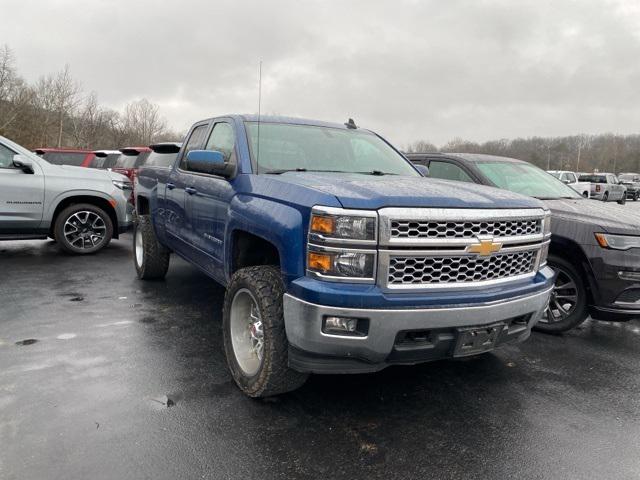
(259, 111)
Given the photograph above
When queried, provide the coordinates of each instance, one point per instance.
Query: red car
(129, 160)
(66, 156)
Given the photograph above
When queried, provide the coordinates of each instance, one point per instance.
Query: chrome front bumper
(304, 320)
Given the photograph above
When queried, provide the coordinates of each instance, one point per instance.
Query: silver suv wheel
(85, 230)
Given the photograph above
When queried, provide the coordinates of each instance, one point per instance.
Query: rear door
(21, 196)
(177, 224)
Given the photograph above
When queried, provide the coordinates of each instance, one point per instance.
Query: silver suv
(81, 208)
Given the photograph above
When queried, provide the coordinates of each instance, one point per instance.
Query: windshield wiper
(280, 172)
(376, 173)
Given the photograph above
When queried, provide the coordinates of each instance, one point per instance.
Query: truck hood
(611, 217)
(373, 192)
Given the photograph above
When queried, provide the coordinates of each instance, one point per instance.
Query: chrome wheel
(139, 248)
(247, 335)
(563, 300)
(85, 230)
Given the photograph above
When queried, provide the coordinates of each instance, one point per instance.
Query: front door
(207, 201)
(21, 196)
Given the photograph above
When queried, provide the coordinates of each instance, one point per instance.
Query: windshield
(555, 174)
(593, 178)
(65, 158)
(125, 161)
(525, 179)
(285, 147)
(156, 159)
(629, 177)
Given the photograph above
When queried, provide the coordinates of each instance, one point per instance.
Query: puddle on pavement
(28, 341)
(76, 299)
(66, 336)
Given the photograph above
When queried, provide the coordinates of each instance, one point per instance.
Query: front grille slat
(464, 229)
(429, 270)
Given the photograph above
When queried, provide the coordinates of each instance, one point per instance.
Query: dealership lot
(104, 376)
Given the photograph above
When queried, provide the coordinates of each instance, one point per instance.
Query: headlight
(328, 225)
(345, 264)
(122, 184)
(618, 242)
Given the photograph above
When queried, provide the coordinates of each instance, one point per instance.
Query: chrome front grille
(430, 270)
(442, 229)
(436, 248)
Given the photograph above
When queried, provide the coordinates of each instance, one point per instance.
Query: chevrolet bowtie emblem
(484, 248)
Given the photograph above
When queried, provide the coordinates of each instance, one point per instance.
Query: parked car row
(602, 186)
(337, 254)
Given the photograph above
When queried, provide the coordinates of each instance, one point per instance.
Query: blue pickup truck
(337, 255)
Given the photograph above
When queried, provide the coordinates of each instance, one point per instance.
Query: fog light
(345, 326)
(628, 275)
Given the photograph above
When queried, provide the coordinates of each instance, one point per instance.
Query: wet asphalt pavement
(103, 377)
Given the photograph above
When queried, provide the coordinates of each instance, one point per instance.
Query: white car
(571, 179)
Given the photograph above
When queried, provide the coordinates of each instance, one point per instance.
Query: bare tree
(142, 120)
(421, 146)
(15, 95)
(67, 98)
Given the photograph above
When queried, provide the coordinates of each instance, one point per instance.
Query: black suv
(595, 247)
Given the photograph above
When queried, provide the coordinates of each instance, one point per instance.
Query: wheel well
(571, 251)
(249, 250)
(97, 201)
(142, 205)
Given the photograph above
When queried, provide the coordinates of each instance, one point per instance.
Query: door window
(195, 142)
(448, 171)
(571, 177)
(6, 157)
(223, 140)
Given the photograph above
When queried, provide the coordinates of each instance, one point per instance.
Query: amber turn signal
(602, 240)
(322, 224)
(319, 261)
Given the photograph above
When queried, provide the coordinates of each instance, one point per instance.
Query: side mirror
(208, 161)
(423, 169)
(23, 163)
(566, 181)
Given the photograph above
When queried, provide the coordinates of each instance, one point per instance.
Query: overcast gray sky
(433, 70)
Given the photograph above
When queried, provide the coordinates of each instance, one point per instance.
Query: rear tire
(568, 304)
(83, 229)
(255, 341)
(605, 197)
(636, 196)
(149, 256)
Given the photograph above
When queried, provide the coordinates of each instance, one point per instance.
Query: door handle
(190, 190)
(170, 186)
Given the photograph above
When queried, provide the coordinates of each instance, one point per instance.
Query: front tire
(83, 228)
(623, 200)
(255, 340)
(605, 197)
(149, 256)
(568, 304)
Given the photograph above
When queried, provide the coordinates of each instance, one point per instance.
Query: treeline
(583, 153)
(55, 111)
